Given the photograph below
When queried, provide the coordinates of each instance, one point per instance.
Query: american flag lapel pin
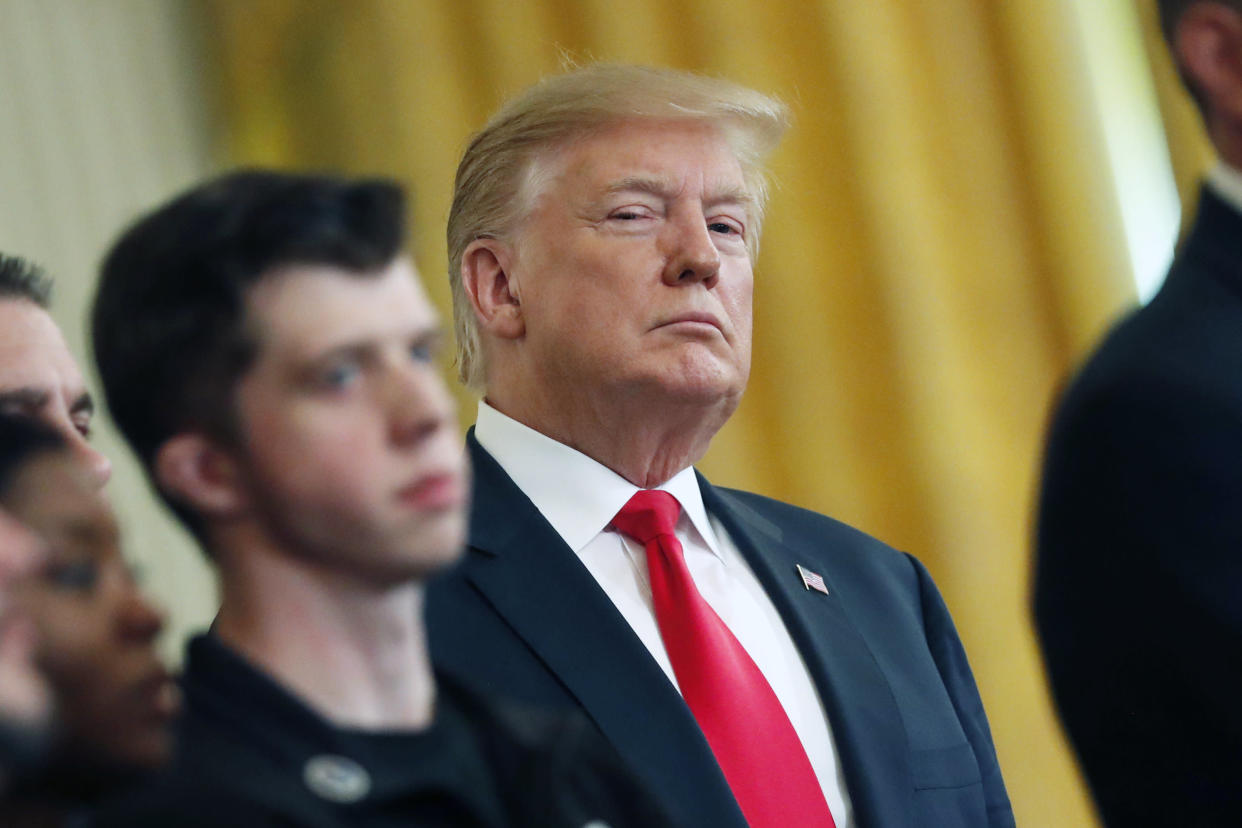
(812, 580)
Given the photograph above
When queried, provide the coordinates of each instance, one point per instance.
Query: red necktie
(749, 733)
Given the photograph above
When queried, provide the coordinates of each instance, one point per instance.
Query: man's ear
(1208, 48)
(486, 269)
(196, 471)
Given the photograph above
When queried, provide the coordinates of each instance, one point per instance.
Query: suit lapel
(544, 593)
(861, 708)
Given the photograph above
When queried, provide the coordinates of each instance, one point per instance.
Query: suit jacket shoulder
(888, 598)
(1137, 574)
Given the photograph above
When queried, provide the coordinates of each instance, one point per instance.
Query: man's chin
(703, 379)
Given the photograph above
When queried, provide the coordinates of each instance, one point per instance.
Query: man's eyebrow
(429, 336)
(640, 184)
(24, 398)
(728, 194)
(84, 404)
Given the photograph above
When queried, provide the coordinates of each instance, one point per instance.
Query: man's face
(350, 453)
(114, 699)
(632, 269)
(39, 378)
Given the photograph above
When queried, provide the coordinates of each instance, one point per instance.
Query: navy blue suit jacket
(521, 616)
(1138, 590)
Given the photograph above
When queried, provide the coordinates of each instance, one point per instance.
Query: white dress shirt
(579, 497)
(1227, 183)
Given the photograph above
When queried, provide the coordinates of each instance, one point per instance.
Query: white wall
(101, 116)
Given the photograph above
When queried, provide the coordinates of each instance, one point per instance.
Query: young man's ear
(193, 469)
(486, 275)
(1208, 47)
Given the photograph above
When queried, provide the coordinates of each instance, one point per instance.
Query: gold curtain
(942, 247)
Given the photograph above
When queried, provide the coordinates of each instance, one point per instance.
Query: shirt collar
(576, 494)
(1226, 182)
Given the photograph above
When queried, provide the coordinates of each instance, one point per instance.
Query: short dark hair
(23, 279)
(169, 318)
(21, 440)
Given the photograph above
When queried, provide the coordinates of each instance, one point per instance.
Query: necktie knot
(648, 514)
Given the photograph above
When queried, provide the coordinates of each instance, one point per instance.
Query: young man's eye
(422, 352)
(340, 376)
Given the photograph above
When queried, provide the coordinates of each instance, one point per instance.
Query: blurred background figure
(1138, 592)
(96, 633)
(39, 378)
(25, 697)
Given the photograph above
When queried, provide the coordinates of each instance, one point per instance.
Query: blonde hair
(499, 178)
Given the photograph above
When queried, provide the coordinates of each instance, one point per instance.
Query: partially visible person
(296, 420)
(38, 376)
(25, 696)
(114, 700)
(1138, 581)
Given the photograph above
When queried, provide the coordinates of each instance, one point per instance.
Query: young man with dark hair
(269, 353)
(38, 376)
(1138, 580)
(95, 635)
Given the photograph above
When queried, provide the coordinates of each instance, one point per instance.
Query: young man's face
(350, 457)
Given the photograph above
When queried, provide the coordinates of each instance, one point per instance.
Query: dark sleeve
(571, 777)
(1138, 597)
(950, 657)
(598, 783)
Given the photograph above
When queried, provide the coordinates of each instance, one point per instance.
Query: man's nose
(692, 252)
(419, 402)
(90, 458)
(138, 618)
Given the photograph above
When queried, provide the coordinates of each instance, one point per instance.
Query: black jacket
(1138, 589)
(250, 754)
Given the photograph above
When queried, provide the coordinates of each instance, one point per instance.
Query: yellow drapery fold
(942, 246)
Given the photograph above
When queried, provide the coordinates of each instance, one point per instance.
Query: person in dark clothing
(262, 757)
(1138, 578)
(270, 355)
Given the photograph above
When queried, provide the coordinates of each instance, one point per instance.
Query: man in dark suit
(752, 661)
(1138, 594)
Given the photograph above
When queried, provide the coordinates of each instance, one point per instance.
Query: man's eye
(629, 214)
(83, 425)
(340, 376)
(423, 352)
(724, 228)
(75, 575)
